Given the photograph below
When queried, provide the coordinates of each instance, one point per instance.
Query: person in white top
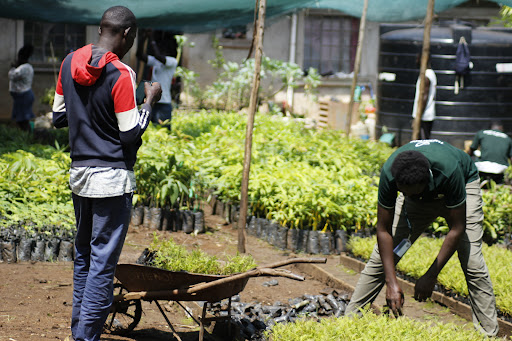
(163, 69)
(429, 102)
(21, 75)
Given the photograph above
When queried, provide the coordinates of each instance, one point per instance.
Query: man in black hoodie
(95, 98)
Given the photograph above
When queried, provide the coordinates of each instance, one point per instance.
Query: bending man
(435, 179)
(496, 151)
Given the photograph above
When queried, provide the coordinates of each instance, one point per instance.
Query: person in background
(163, 69)
(95, 98)
(428, 100)
(495, 152)
(20, 88)
(435, 179)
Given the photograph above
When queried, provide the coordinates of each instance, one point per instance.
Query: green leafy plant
(48, 96)
(371, 327)
(174, 257)
(300, 178)
(497, 211)
(504, 18)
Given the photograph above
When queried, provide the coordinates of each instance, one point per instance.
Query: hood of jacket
(84, 73)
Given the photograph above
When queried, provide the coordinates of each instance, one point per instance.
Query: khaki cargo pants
(469, 250)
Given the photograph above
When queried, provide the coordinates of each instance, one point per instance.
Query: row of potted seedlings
(167, 219)
(296, 240)
(17, 244)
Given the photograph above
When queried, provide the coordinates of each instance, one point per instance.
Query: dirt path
(36, 297)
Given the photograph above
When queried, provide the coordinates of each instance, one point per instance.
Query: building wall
(7, 57)
(276, 45)
(11, 36)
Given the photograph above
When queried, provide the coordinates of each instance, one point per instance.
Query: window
(45, 37)
(330, 43)
(236, 32)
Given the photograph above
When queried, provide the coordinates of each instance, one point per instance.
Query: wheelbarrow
(138, 283)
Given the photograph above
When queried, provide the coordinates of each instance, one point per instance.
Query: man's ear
(127, 31)
(99, 30)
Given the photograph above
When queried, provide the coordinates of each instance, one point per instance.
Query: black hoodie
(95, 97)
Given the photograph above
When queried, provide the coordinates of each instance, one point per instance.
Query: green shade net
(177, 15)
(206, 15)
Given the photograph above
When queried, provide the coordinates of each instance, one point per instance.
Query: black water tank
(486, 96)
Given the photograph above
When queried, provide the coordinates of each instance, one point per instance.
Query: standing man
(428, 99)
(435, 179)
(163, 69)
(495, 152)
(95, 98)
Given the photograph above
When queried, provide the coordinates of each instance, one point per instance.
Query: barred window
(53, 41)
(330, 43)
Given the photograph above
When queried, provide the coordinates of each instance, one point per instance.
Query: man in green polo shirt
(435, 179)
(495, 149)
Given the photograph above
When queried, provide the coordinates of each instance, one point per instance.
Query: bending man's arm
(457, 222)
(394, 294)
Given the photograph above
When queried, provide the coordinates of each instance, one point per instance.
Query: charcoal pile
(251, 320)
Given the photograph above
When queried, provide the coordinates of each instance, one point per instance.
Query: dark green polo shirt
(494, 145)
(451, 170)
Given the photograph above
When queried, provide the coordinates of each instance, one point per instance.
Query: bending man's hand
(424, 287)
(395, 299)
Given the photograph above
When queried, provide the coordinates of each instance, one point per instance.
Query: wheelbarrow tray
(172, 285)
(152, 284)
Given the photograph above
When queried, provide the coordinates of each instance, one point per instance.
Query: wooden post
(253, 103)
(423, 67)
(357, 65)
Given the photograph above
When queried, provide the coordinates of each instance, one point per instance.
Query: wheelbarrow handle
(252, 273)
(294, 261)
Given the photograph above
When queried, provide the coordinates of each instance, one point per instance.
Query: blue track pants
(102, 224)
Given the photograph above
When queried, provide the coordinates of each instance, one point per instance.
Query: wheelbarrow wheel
(124, 315)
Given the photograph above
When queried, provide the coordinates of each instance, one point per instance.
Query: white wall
(277, 46)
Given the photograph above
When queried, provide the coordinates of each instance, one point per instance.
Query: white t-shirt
(101, 182)
(490, 167)
(429, 114)
(20, 78)
(163, 73)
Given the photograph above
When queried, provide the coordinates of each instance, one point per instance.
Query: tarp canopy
(206, 15)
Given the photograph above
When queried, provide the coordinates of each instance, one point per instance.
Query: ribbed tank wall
(486, 96)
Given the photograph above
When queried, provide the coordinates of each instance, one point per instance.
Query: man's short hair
(117, 19)
(411, 167)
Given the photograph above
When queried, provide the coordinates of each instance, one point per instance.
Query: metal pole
(423, 67)
(253, 103)
(357, 65)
